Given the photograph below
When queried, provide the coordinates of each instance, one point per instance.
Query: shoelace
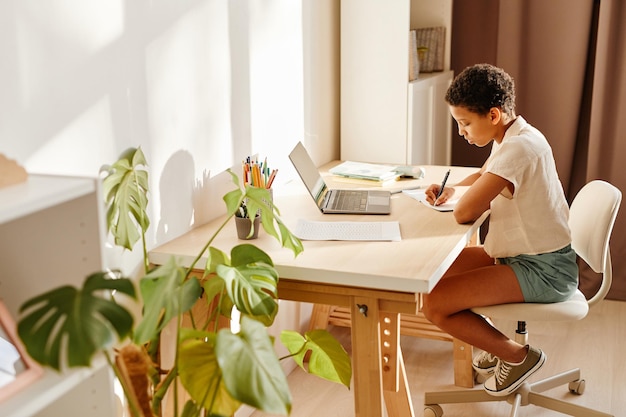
(485, 356)
(502, 371)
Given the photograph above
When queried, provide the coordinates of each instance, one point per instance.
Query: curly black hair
(481, 87)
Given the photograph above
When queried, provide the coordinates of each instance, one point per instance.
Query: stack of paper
(365, 171)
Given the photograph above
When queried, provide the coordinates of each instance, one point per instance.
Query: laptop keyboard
(351, 200)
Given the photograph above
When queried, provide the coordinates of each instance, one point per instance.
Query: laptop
(337, 201)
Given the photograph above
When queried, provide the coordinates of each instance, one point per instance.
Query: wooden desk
(377, 281)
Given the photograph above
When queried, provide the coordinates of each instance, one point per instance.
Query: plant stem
(207, 245)
(303, 348)
(146, 264)
(179, 324)
(161, 389)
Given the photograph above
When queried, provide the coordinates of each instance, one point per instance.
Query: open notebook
(335, 200)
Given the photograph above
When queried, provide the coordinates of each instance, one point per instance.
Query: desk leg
(395, 383)
(368, 392)
(320, 315)
(463, 370)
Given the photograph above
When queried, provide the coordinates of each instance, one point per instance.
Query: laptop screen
(309, 173)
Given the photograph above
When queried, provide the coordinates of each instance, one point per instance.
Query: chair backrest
(592, 216)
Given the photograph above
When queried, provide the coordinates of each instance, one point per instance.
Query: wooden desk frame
(376, 293)
(414, 325)
(375, 341)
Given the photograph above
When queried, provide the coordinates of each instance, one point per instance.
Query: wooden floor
(596, 344)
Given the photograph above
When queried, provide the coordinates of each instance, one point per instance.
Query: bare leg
(475, 281)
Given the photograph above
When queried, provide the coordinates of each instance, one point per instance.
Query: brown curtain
(567, 58)
(604, 156)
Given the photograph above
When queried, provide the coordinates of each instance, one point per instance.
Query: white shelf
(428, 77)
(40, 192)
(51, 234)
(429, 126)
(46, 390)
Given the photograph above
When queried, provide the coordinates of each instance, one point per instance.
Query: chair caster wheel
(433, 410)
(577, 387)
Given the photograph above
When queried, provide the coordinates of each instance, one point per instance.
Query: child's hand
(433, 190)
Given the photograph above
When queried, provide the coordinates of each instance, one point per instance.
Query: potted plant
(247, 228)
(219, 369)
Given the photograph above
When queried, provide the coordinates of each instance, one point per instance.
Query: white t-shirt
(534, 219)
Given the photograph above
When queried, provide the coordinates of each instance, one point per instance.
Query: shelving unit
(429, 121)
(51, 230)
(384, 117)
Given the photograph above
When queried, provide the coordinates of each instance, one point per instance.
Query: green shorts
(547, 277)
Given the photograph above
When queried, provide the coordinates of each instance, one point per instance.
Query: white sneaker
(485, 363)
(507, 377)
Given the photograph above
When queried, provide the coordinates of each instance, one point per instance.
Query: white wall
(198, 84)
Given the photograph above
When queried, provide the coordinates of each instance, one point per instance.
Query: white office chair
(592, 216)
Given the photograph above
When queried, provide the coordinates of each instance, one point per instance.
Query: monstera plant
(219, 368)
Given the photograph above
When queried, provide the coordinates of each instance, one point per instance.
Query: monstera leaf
(201, 375)
(166, 294)
(328, 359)
(125, 192)
(216, 287)
(251, 282)
(81, 321)
(250, 369)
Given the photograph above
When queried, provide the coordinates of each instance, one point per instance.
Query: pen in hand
(443, 184)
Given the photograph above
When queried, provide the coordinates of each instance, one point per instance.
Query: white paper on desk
(372, 231)
(420, 195)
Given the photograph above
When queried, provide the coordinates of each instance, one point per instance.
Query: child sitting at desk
(526, 255)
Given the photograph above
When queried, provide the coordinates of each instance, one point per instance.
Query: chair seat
(575, 308)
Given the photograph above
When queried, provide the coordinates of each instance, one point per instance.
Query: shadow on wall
(190, 201)
(177, 183)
